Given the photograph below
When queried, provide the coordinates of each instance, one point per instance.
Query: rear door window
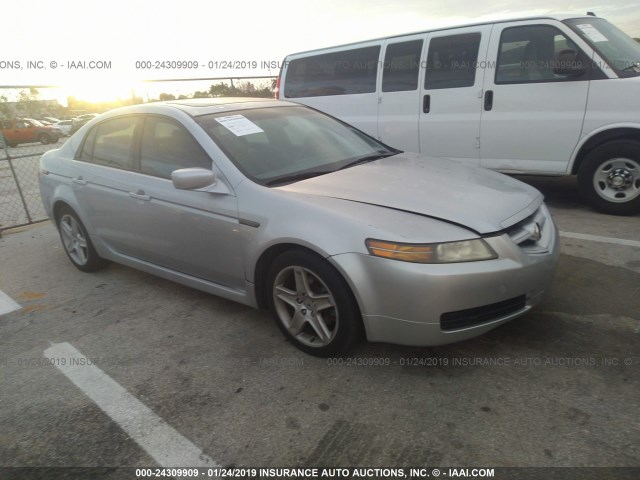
(401, 66)
(114, 143)
(339, 73)
(452, 61)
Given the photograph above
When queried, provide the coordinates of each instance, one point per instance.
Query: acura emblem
(537, 234)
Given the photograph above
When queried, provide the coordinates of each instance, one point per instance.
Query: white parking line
(597, 238)
(7, 304)
(157, 438)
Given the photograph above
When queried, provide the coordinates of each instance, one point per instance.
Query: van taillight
(277, 90)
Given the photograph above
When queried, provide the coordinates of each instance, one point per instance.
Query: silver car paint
(228, 233)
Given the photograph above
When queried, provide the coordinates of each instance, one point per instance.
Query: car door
(104, 168)
(193, 232)
(399, 100)
(532, 117)
(23, 132)
(450, 104)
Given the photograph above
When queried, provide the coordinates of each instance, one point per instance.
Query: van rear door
(399, 99)
(450, 103)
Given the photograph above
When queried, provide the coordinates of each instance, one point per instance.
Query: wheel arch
(602, 137)
(267, 257)
(264, 262)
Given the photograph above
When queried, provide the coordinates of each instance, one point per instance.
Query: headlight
(449, 252)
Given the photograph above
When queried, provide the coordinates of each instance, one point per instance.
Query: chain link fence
(20, 202)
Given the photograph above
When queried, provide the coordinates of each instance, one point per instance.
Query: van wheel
(77, 243)
(312, 304)
(609, 178)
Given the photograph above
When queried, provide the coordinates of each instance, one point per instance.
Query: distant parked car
(26, 130)
(51, 120)
(64, 126)
(276, 205)
(80, 120)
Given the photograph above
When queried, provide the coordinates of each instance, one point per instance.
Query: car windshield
(35, 123)
(280, 145)
(620, 51)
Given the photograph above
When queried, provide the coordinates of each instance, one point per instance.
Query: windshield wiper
(296, 177)
(304, 175)
(367, 158)
(635, 67)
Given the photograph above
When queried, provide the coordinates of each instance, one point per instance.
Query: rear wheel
(77, 243)
(609, 178)
(312, 304)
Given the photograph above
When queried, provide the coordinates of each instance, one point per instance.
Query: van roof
(558, 17)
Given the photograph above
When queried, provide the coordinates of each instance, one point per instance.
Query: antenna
(591, 14)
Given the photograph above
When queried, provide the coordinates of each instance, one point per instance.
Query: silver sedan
(278, 206)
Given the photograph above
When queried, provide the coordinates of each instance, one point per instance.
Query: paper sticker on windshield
(239, 125)
(592, 33)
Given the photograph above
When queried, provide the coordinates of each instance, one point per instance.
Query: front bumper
(427, 305)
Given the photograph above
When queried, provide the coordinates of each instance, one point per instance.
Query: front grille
(487, 313)
(532, 233)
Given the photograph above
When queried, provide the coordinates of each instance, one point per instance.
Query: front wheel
(44, 139)
(312, 304)
(77, 243)
(609, 178)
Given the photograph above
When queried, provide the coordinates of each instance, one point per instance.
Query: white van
(556, 95)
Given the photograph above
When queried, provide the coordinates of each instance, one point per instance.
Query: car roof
(195, 107)
(205, 106)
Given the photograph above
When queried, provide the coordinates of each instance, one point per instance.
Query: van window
(529, 54)
(401, 66)
(341, 73)
(451, 61)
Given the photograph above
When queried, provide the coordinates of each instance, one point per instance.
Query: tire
(76, 242)
(44, 139)
(609, 177)
(312, 304)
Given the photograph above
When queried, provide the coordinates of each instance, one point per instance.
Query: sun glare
(99, 92)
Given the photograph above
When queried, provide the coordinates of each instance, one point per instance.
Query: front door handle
(79, 180)
(426, 103)
(488, 100)
(140, 195)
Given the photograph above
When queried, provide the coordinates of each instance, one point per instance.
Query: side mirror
(568, 65)
(192, 178)
(199, 179)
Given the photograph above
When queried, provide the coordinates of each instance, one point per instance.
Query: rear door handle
(488, 100)
(79, 180)
(426, 103)
(140, 195)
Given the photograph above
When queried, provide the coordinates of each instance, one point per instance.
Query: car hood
(478, 199)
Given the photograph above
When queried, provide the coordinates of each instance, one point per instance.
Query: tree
(5, 111)
(28, 102)
(166, 96)
(220, 90)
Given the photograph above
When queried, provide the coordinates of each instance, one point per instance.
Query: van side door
(450, 104)
(532, 115)
(399, 93)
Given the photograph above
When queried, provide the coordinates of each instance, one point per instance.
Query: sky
(253, 34)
